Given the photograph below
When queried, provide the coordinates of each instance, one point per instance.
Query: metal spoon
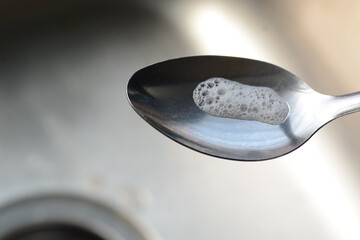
(162, 95)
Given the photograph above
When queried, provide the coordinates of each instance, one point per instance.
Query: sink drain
(52, 232)
(54, 217)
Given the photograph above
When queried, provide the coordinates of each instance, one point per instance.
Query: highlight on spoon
(225, 98)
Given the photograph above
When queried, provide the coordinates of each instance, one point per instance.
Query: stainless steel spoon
(162, 95)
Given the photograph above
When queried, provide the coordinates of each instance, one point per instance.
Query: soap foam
(229, 99)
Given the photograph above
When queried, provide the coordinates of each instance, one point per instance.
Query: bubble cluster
(225, 98)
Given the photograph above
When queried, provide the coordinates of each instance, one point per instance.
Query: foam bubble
(225, 98)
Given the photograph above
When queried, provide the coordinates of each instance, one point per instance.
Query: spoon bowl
(162, 94)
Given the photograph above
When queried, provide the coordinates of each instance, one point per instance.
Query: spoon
(162, 94)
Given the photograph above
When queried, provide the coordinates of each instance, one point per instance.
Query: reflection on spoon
(229, 99)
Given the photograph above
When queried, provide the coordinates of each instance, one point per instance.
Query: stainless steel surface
(163, 95)
(66, 125)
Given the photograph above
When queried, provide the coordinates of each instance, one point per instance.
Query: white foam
(229, 99)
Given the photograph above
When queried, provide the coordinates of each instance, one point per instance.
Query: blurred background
(68, 131)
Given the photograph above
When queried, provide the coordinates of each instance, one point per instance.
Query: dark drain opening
(52, 232)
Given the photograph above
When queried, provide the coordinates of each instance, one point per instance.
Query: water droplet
(221, 91)
(209, 101)
(243, 107)
(205, 93)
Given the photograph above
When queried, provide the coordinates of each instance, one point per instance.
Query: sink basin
(66, 125)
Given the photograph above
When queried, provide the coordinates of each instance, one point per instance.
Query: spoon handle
(346, 104)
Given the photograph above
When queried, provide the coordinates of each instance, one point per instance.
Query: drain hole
(52, 232)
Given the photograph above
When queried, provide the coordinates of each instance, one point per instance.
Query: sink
(68, 132)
